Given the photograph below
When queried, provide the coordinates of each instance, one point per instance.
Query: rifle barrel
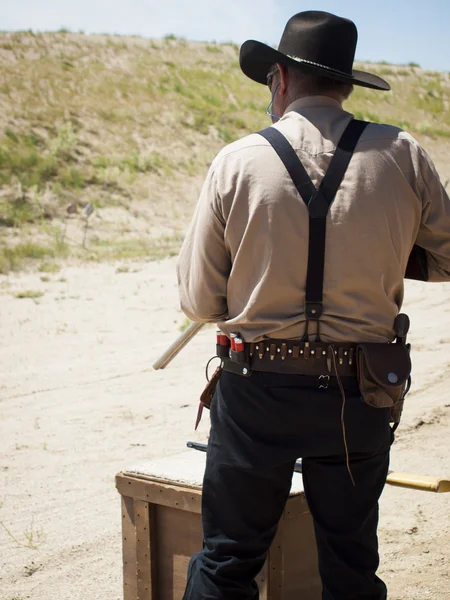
(177, 345)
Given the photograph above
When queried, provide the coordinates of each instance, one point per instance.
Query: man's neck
(313, 102)
(332, 94)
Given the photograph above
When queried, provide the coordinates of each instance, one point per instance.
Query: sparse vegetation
(13, 258)
(124, 124)
(49, 267)
(123, 249)
(214, 49)
(29, 294)
(123, 269)
(33, 536)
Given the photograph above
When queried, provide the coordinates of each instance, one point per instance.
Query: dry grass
(131, 125)
(31, 294)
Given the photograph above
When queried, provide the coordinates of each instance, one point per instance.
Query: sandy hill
(131, 125)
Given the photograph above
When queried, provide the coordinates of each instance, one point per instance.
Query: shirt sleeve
(434, 231)
(204, 263)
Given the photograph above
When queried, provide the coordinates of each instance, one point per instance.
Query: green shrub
(32, 294)
(24, 162)
(13, 259)
(71, 177)
(102, 162)
(137, 162)
(11, 135)
(49, 267)
(214, 49)
(63, 145)
(14, 212)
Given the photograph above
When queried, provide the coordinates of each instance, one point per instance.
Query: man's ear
(284, 77)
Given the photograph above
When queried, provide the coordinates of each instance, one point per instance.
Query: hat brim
(257, 58)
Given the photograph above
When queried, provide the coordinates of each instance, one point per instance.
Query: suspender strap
(318, 202)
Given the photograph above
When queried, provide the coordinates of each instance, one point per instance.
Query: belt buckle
(327, 377)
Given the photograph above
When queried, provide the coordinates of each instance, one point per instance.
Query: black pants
(259, 426)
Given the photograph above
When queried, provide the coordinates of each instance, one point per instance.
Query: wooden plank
(174, 496)
(301, 570)
(272, 579)
(262, 581)
(145, 574)
(296, 506)
(160, 480)
(129, 549)
(179, 537)
(276, 564)
(184, 497)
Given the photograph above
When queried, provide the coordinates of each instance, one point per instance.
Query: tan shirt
(243, 261)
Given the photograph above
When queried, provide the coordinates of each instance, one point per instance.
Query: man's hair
(304, 83)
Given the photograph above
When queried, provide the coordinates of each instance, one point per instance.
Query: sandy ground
(79, 402)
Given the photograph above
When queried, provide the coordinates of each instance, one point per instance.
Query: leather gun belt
(292, 357)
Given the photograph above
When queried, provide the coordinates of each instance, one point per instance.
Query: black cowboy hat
(319, 42)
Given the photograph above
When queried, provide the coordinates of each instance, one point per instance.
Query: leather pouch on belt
(383, 371)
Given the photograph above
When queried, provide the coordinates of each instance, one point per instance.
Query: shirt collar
(313, 102)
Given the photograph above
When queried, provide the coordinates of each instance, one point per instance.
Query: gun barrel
(177, 346)
(197, 446)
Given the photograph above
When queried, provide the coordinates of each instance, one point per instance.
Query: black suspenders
(318, 202)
